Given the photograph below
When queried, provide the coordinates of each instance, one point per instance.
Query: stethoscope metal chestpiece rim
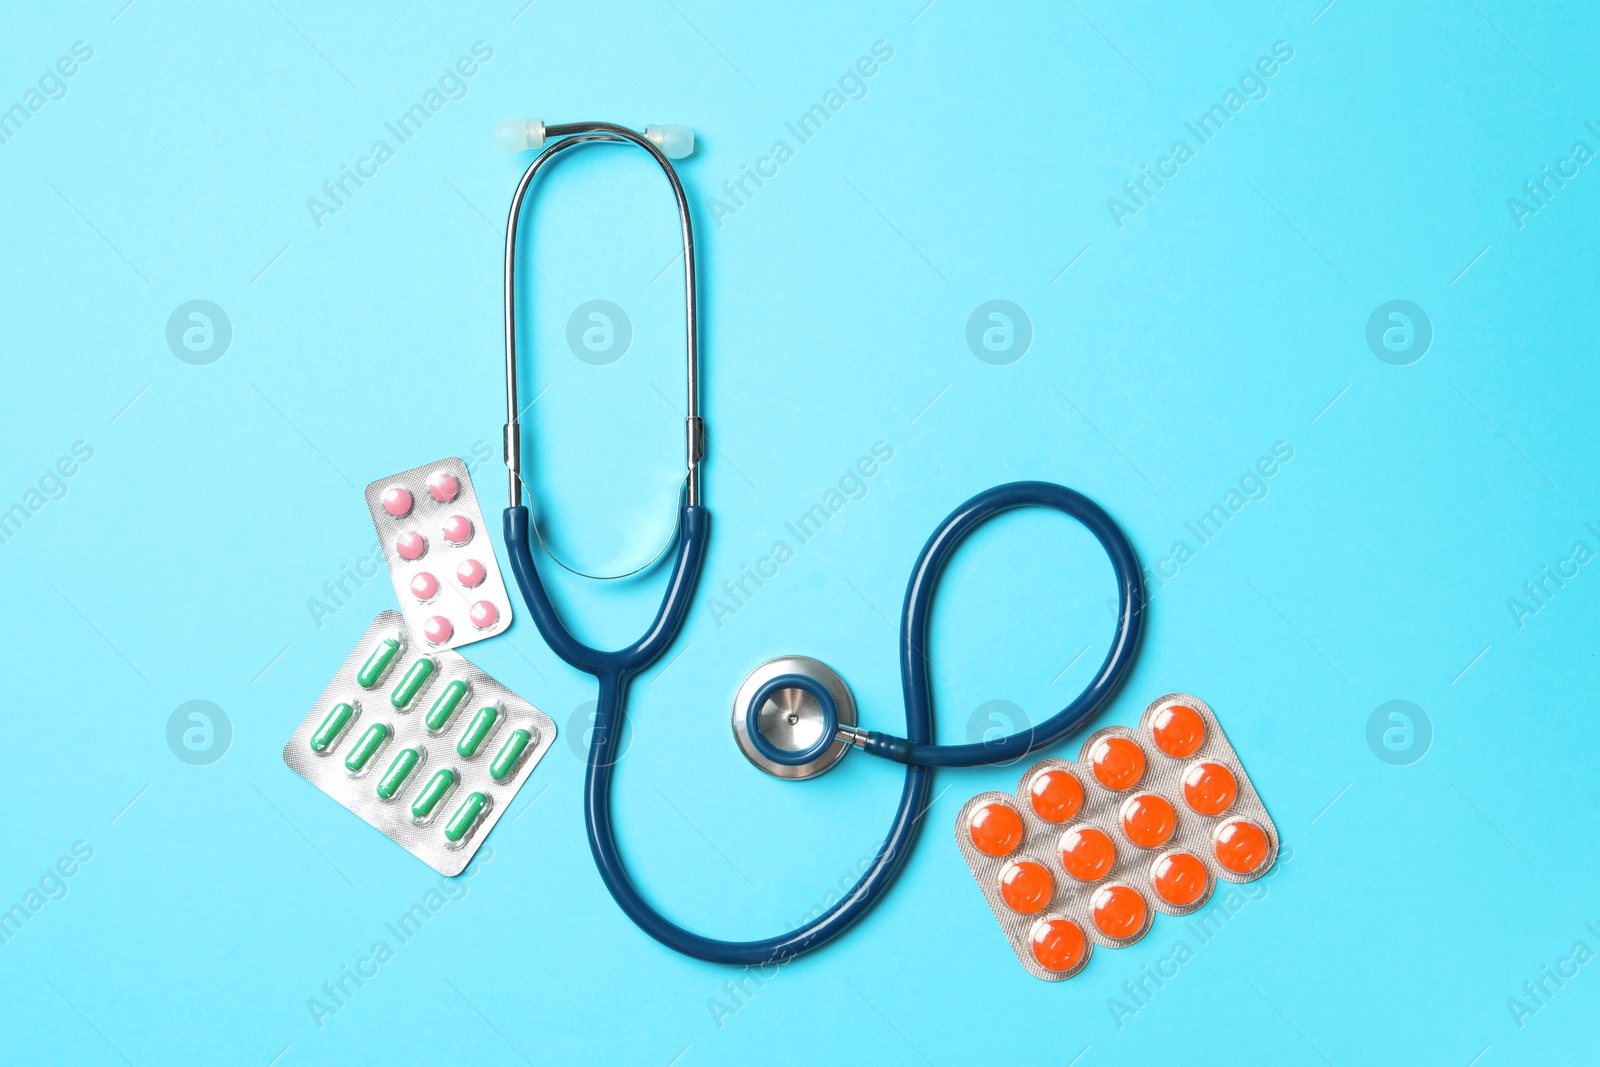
(787, 717)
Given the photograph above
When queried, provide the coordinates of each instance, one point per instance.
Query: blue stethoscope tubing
(917, 749)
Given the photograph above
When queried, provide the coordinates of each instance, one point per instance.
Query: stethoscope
(793, 717)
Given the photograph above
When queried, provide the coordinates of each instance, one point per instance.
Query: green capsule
(510, 755)
(377, 667)
(398, 772)
(415, 681)
(327, 735)
(437, 789)
(366, 748)
(478, 731)
(466, 817)
(444, 709)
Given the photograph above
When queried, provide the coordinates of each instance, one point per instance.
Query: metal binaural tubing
(571, 135)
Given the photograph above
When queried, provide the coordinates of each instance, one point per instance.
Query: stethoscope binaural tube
(571, 136)
(615, 670)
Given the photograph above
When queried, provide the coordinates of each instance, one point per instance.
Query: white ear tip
(675, 142)
(519, 135)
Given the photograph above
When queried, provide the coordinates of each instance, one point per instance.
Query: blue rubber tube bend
(919, 609)
(616, 670)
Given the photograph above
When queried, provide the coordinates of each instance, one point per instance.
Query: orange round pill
(1179, 878)
(1118, 762)
(1148, 820)
(1026, 887)
(1087, 853)
(1055, 794)
(1178, 730)
(1118, 911)
(1058, 944)
(1241, 846)
(1209, 788)
(996, 829)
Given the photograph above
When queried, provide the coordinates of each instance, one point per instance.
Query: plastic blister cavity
(1146, 820)
(420, 744)
(444, 567)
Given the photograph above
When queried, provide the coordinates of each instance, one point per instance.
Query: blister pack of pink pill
(1145, 819)
(440, 555)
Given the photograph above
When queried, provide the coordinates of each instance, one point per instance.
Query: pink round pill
(397, 501)
(484, 614)
(443, 487)
(410, 545)
(424, 585)
(471, 573)
(437, 630)
(458, 529)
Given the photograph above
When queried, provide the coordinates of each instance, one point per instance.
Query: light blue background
(1227, 315)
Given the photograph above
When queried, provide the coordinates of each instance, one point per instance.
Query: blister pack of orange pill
(1146, 820)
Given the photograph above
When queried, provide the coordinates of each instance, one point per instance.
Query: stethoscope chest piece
(788, 715)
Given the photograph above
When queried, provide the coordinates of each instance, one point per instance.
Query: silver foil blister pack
(1145, 820)
(439, 554)
(419, 743)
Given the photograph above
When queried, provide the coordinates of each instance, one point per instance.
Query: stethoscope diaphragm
(788, 714)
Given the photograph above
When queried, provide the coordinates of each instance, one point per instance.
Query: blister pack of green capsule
(421, 744)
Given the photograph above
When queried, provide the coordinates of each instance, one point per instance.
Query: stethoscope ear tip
(519, 135)
(675, 142)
